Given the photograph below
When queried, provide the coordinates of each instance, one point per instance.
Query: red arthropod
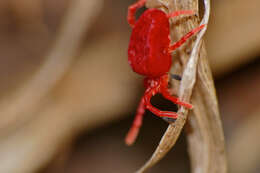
(149, 54)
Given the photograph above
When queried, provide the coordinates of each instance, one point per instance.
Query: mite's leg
(165, 92)
(154, 110)
(132, 10)
(160, 113)
(178, 13)
(175, 100)
(184, 38)
(133, 132)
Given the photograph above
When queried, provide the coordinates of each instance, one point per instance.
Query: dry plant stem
(206, 142)
(58, 60)
(185, 91)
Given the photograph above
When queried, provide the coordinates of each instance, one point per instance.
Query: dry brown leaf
(206, 145)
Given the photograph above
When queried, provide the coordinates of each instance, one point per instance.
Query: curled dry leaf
(206, 139)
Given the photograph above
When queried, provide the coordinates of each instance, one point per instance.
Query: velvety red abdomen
(149, 42)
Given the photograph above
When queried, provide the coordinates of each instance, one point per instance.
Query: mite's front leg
(132, 10)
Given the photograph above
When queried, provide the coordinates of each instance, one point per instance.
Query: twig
(185, 91)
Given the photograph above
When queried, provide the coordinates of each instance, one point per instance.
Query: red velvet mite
(149, 54)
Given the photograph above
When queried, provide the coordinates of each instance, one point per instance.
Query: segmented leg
(134, 130)
(154, 110)
(132, 10)
(178, 13)
(175, 100)
(160, 113)
(184, 38)
(165, 92)
(159, 86)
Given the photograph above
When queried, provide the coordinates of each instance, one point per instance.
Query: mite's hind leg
(137, 123)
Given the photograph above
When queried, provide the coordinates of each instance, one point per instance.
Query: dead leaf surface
(205, 137)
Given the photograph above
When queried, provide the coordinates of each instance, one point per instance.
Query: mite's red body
(149, 54)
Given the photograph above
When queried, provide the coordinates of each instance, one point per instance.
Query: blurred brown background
(68, 95)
